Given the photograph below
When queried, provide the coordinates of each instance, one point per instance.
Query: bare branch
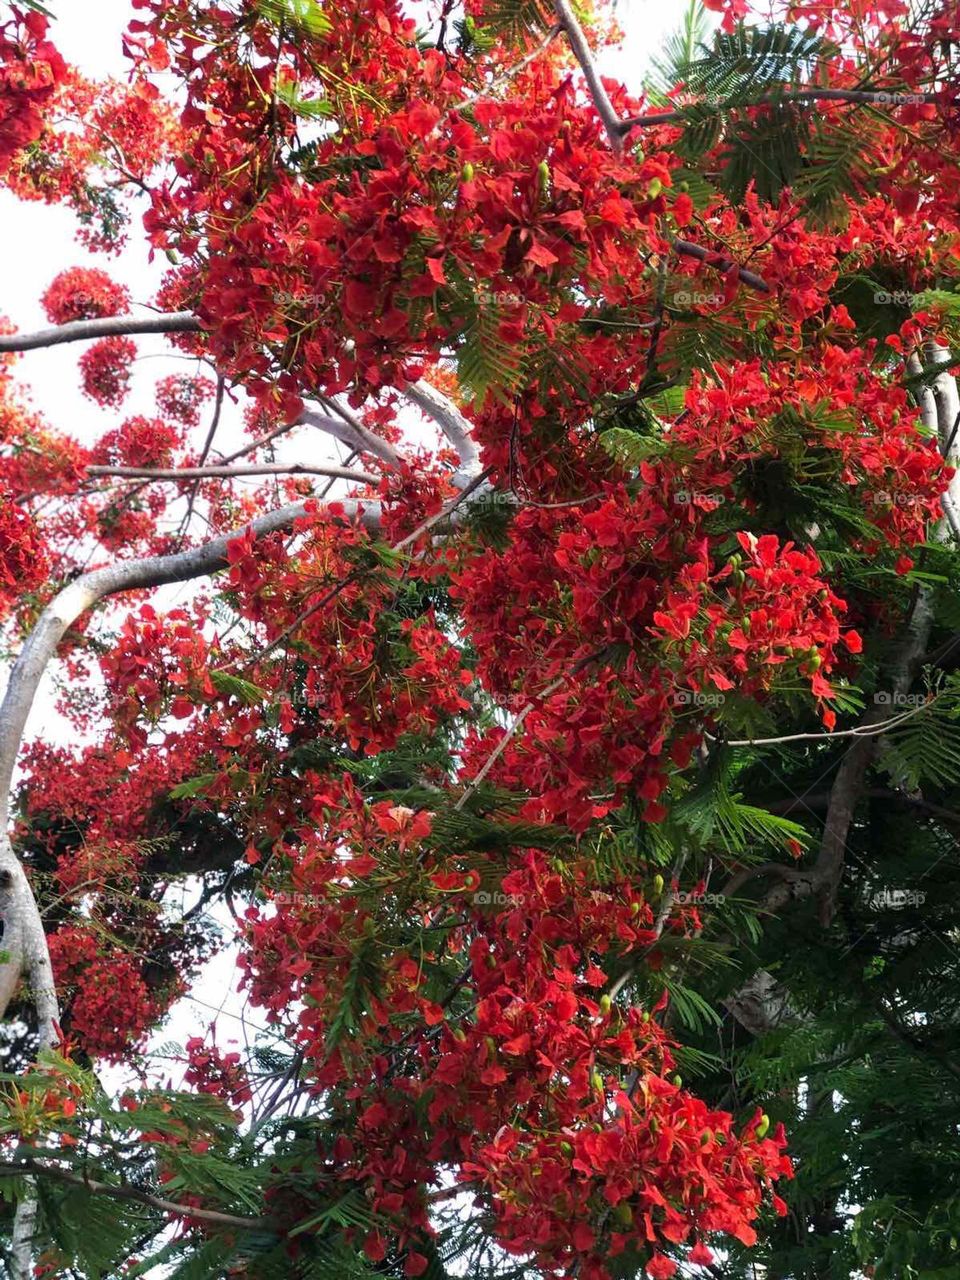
(123, 1191)
(450, 421)
(690, 250)
(106, 326)
(229, 473)
(349, 430)
(581, 49)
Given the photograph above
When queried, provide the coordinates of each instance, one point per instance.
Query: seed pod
(566, 1148)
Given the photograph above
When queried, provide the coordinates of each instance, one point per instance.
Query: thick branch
(450, 421)
(130, 575)
(106, 326)
(578, 43)
(349, 430)
(229, 473)
(21, 917)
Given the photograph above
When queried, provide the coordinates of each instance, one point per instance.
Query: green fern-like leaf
(748, 62)
(487, 362)
(679, 52)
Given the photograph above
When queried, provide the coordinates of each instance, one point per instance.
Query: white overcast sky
(38, 241)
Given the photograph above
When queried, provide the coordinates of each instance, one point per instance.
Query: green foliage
(304, 15)
(487, 362)
(679, 52)
(745, 63)
(519, 18)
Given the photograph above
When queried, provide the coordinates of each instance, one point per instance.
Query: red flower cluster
(111, 1008)
(105, 369)
(30, 69)
(209, 1070)
(82, 293)
(139, 442)
(24, 561)
(180, 397)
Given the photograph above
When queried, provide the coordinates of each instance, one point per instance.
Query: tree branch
(226, 472)
(122, 1191)
(879, 97)
(690, 250)
(450, 421)
(106, 326)
(581, 50)
(349, 430)
(21, 917)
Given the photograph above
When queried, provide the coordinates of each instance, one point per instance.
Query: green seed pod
(566, 1148)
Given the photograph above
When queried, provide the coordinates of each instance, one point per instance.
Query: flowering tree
(533, 768)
